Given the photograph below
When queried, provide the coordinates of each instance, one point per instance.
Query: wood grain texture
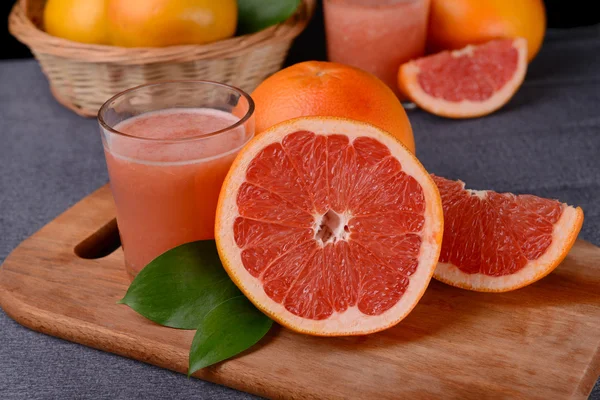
(542, 341)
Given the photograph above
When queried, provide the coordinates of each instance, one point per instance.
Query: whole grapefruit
(454, 24)
(316, 88)
(80, 21)
(157, 23)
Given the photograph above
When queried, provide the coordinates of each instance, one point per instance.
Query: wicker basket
(83, 76)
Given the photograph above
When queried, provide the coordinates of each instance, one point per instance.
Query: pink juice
(166, 190)
(376, 35)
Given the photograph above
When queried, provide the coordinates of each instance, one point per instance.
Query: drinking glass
(376, 35)
(168, 148)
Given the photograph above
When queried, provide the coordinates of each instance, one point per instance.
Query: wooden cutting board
(542, 341)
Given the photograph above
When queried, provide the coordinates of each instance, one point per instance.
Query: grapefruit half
(497, 242)
(466, 83)
(329, 226)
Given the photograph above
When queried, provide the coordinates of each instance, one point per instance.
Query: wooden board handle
(100, 243)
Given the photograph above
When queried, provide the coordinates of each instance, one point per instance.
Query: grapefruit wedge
(497, 242)
(329, 226)
(466, 83)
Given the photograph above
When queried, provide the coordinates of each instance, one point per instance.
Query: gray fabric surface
(545, 142)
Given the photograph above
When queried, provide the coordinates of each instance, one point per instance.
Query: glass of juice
(376, 35)
(168, 147)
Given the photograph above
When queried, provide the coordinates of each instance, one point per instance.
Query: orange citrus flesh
(471, 82)
(499, 241)
(330, 226)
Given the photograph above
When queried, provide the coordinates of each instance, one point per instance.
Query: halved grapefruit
(466, 83)
(497, 242)
(329, 226)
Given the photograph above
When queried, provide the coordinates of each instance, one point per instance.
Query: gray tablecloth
(545, 142)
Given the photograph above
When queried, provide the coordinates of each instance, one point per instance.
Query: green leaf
(180, 287)
(187, 288)
(256, 15)
(228, 329)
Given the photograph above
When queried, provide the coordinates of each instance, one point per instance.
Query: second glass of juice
(168, 147)
(376, 35)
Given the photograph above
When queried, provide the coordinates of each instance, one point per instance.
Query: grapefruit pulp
(329, 226)
(496, 242)
(466, 83)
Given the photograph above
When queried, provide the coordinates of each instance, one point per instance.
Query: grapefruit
(330, 89)
(158, 23)
(454, 24)
(329, 226)
(80, 21)
(496, 242)
(466, 83)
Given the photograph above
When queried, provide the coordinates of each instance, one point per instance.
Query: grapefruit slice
(497, 242)
(466, 83)
(329, 226)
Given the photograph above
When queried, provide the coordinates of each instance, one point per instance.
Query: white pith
(482, 194)
(465, 108)
(468, 50)
(563, 235)
(351, 321)
(337, 229)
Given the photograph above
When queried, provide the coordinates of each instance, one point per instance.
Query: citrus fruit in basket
(330, 226)
(466, 83)
(315, 88)
(496, 242)
(453, 24)
(80, 21)
(157, 23)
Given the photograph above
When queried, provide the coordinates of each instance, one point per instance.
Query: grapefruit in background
(454, 24)
(157, 23)
(315, 88)
(77, 20)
